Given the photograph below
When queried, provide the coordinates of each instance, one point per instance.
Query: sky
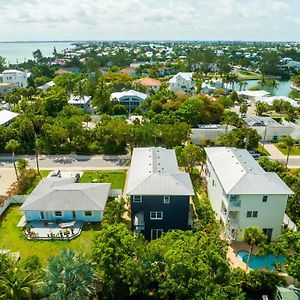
(30, 20)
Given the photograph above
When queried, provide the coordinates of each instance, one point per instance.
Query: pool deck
(233, 249)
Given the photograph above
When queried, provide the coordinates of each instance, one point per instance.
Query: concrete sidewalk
(275, 154)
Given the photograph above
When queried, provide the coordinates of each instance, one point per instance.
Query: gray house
(63, 200)
(159, 192)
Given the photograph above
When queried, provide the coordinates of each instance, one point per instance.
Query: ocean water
(20, 52)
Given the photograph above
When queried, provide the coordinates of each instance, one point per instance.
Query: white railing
(17, 199)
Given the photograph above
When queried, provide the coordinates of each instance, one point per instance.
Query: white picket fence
(18, 199)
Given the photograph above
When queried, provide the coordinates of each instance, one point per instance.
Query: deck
(38, 230)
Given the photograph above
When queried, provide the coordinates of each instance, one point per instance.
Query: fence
(18, 199)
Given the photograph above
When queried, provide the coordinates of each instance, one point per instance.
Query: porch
(47, 230)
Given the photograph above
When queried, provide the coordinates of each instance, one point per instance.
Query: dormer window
(167, 199)
(137, 198)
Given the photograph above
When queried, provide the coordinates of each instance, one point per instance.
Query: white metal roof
(6, 116)
(13, 72)
(154, 171)
(62, 194)
(130, 93)
(46, 85)
(79, 100)
(239, 173)
(188, 76)
(253, 94)
(269, 100)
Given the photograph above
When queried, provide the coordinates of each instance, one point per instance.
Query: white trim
(167, 199)
(137, 198)
(156, 217)
(157, 231)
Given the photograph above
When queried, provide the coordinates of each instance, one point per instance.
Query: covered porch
(51, 230)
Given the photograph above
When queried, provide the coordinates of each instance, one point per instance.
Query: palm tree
(253, 236)
(12, 146)
(37, 151)
(243, 109)
(69, 276)
(289, 143)
(262, 82)
(16, 285)
(230, 118)
(273, 84)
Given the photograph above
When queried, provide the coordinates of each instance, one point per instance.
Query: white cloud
(148, 19)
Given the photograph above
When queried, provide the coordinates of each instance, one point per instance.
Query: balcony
(234, 202)
(139, 223)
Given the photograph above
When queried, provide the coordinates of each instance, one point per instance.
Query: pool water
(260, 261)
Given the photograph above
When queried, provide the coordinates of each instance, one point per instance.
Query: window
(213, 183)
(167, 199)
(58, 214)
(156, 215)
(137, 198)
(156, 233)
(88, 213)
(252, 214)
(265, 199)
(42, 215)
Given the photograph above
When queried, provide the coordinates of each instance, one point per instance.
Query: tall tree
(12, 146)
(69, 276)
(253, 236)
(289, 143)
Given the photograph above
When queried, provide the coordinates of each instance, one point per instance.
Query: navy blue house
(159, 192)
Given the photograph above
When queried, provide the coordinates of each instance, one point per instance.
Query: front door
(74, 215)
(42, 215)
(268, 232)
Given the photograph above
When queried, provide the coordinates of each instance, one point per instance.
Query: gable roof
(62, 194)
(239, 173)
(147, 81)
(79, 100)
(188, 76)
(6, 116)
(154, 171)
(130, 93)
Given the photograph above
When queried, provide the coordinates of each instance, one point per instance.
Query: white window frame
(156, 215)
(265, 198)
(156, 233)
(137, 198)
(252, 214)
(90, 213)
(167, 199)
(58, 211)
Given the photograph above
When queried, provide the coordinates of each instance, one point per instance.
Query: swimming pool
(257, 261)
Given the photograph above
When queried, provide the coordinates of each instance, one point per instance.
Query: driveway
(275, 154)
(7, 178)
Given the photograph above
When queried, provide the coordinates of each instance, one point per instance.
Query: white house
(16, 77)
(242, 194)
(253, 94)
(5, 88)
(182, 83)
(46, 86)
(209, 134)
(6, 117)
(81, 102)
(130, 99)
(269, 100)
(151, 84)
(269, 129)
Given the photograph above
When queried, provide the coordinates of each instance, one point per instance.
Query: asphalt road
(70, 161)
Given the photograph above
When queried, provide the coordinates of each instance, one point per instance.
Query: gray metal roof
(239, 173)
(154, 171)
(261, 121)
(62, 194)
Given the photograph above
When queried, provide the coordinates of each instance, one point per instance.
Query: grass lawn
(116, 177)
(12, 237)
(262, 150)
(295, 151)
